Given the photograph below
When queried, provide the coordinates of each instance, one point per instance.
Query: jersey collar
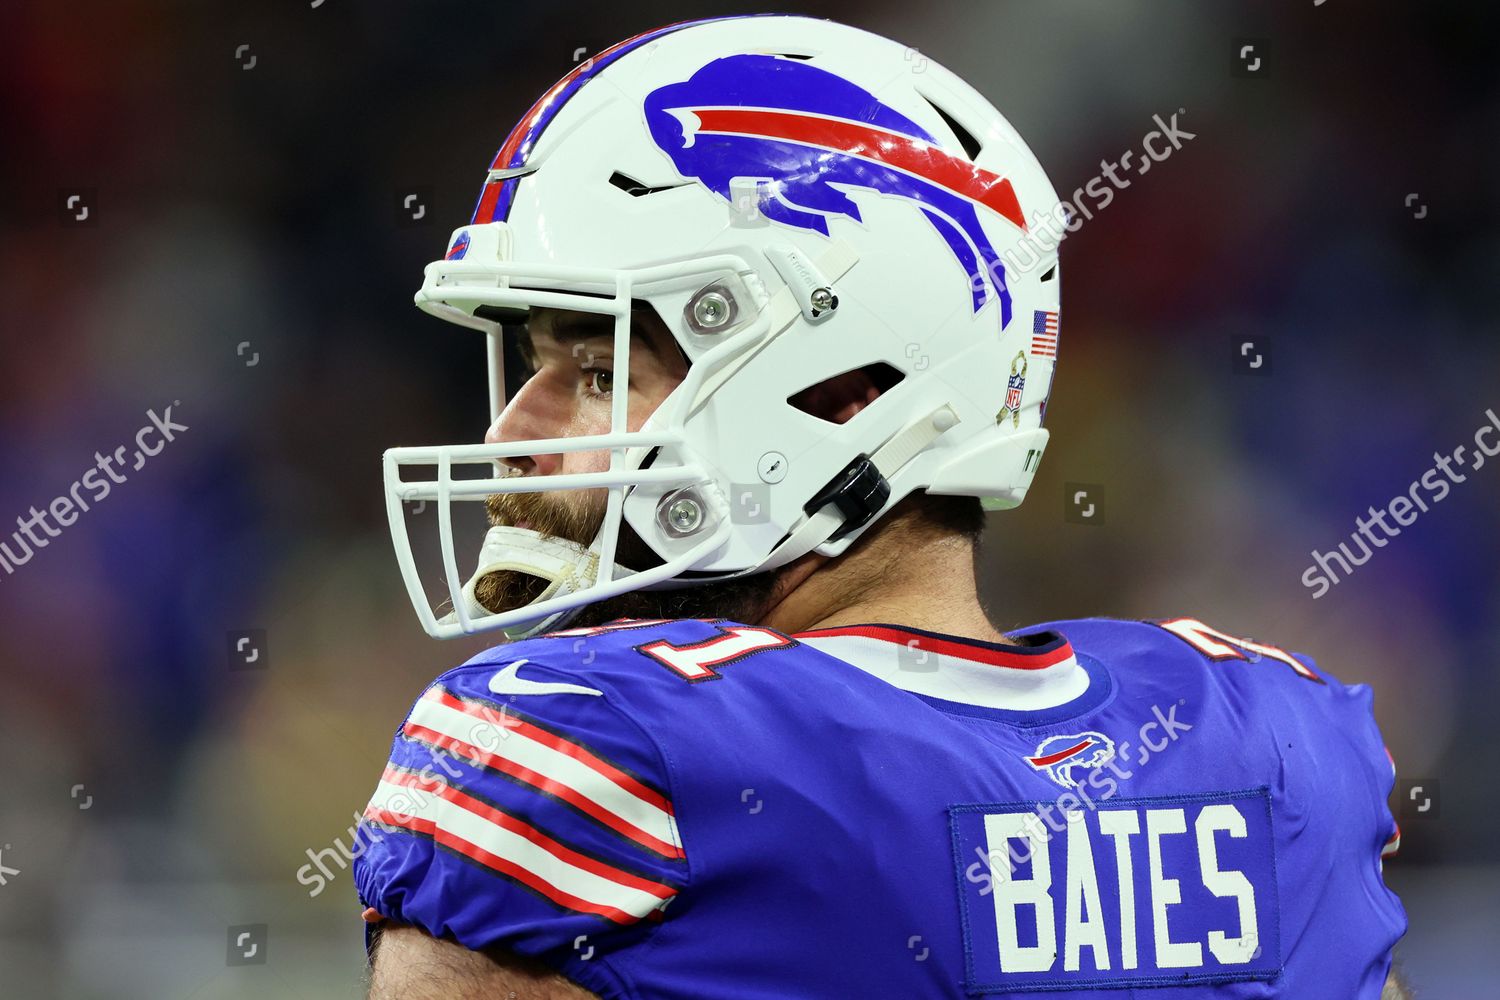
(1040, 673)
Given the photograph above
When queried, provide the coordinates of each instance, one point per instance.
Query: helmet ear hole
(840, 398)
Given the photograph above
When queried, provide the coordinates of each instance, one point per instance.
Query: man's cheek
(645, 400)
(585, 461)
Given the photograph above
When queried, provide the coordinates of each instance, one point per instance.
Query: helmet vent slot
(965, 137)
(833, 398)
(635, 188)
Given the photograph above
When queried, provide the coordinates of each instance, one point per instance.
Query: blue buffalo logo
(811, 133)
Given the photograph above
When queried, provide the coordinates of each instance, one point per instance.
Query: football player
(772, 308)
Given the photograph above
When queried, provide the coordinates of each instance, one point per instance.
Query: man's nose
(527, 417)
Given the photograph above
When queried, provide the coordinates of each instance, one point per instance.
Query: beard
(745, 599)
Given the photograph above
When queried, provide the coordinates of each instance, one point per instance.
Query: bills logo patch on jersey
(1067, 759)
(811, 135)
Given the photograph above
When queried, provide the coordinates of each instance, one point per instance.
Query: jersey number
(1218, 645)
(696, 660)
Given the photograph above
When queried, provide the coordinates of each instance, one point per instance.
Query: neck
(898, 574)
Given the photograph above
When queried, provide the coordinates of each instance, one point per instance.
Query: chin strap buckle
(859, 492)
(566, 566)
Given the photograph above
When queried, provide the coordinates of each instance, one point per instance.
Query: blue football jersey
(694, 808)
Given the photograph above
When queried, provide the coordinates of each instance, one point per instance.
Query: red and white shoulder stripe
(511, 846)
(538, 757)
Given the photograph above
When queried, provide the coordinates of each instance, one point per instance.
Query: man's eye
(601, 382)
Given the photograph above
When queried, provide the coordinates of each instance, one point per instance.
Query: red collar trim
(1053, 651)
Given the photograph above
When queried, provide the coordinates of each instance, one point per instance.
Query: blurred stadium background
(245, 167)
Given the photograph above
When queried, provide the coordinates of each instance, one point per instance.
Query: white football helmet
(796, 199)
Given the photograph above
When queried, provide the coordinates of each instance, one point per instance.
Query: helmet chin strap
(888, 459)
(567, 566)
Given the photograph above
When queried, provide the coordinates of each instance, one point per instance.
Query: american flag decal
(1044, 335)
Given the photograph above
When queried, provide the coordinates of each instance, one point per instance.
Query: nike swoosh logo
(507, 682)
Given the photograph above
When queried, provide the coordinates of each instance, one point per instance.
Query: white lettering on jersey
(1020, 903)
(1010, 893)
(1121, 897)
(1122, 824)
(1082, 896)
(1165, 892)
(1229, 950)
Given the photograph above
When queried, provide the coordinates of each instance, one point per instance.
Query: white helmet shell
(796, 199)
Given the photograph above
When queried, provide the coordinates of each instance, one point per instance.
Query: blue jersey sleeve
(1373, 829)
(1352, 776)
(1334, 783)
(521, 808)
(1342, 747)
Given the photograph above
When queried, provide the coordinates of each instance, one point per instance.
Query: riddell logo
(1061, 756)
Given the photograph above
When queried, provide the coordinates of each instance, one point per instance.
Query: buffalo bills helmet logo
(810, 133)
(1066, 759)
(459, 248)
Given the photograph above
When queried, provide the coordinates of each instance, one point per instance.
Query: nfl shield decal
(1015, 386)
